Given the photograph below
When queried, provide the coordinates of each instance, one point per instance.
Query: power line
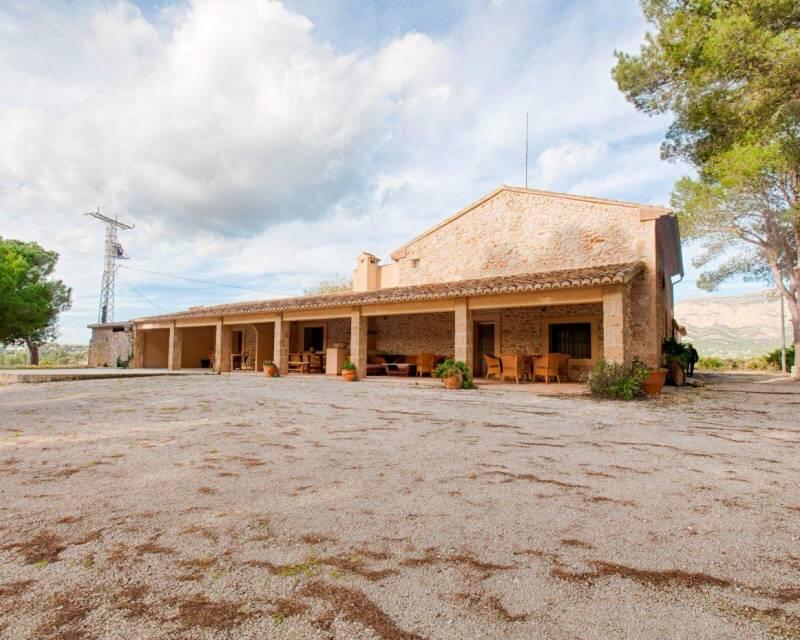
(216, 284)
(141, 295)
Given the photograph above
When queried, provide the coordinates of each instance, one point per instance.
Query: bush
(448, 367)
(348, 364)
(774, 357)
(620, 381)
(711, 362)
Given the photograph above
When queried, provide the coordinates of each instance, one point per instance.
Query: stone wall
(523, 329)
(520, 232)
(107, 345)
(339, 331)
(413, 334)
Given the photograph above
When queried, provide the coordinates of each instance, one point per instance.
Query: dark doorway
(484, 338)
(313, 338)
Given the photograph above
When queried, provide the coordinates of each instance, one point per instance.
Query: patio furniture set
(519, 366)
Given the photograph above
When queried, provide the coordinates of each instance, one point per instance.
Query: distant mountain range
(733, 326)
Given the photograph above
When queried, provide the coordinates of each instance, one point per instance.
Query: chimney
(366, 275)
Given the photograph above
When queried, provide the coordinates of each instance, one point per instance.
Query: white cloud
(248, 148)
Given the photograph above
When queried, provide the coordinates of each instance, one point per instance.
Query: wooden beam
(405, 308)
(537, 299)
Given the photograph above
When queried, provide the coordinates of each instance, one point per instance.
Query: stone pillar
(463, 333)
(222, 348)
(175, 347)
(616, 324)
(280, 353)
(358, 341)
(138, 348)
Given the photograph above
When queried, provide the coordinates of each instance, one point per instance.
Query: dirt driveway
(241, 507)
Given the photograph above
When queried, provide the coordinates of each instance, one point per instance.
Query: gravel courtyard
(241, 507)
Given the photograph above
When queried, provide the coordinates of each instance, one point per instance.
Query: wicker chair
(425, 364)
(548, 367)
(298, 363)
(315, 363)
(494, 366)
(563, 366)
(512, 367)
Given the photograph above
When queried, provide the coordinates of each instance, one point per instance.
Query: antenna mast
(526, 149)
(113, 252)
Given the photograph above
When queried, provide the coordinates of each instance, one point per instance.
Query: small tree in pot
(349, 371)
(455, 374)
(270, 369)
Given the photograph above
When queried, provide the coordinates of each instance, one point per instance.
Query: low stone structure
(520, 270)
(111, 344)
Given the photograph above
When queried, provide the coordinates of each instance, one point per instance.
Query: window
(572, 338)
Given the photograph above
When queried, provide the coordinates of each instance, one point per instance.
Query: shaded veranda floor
(241, 507)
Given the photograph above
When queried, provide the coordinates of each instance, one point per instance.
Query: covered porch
(574, 317)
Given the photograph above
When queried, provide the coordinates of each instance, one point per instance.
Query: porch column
(175, 347)
(222, 348)
(463, 333)
(138, 348)
(280, 353)
(358, 341)
(616, 324)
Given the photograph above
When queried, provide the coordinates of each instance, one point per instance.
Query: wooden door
(484, 343)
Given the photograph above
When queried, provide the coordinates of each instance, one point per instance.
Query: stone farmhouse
(520, 270)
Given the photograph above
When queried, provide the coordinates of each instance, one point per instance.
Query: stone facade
(111, 345)
(520, 259)
(518, 231)
(413, 334)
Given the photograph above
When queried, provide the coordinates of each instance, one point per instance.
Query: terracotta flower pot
(271, 371)
(349, 375)
(655, 382)
(453, 381)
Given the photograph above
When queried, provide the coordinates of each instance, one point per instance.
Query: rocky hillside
(730, 326)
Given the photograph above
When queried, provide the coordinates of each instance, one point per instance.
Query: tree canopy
(30, 298)
(729, 72)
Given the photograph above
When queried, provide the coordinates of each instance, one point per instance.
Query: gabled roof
(646, 212)
(620, 273)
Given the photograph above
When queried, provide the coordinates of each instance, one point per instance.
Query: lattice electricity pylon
(113, 252)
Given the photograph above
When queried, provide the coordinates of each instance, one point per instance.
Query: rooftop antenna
(113, 252)
(526, 149)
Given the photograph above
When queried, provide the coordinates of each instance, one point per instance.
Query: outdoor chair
(494, 366)
(376, 365)
(563, 366)
(425, 364)
(315, 363)
(512, 367)
(548, 367)
(297, 363)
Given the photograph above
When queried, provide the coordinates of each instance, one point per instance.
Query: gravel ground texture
(239, 507)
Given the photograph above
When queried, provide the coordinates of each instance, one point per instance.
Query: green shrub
(349, 364)
(621, 381)
(774, 357)
(711, 362)
(675, 351)
(448, 367)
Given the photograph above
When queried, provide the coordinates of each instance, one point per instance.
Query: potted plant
(270, 369)
(676, 360)
(349, 371)
(454, 374)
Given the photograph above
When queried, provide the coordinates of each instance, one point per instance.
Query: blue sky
(265, 144)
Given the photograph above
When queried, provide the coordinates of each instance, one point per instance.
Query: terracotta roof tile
(523, 283)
